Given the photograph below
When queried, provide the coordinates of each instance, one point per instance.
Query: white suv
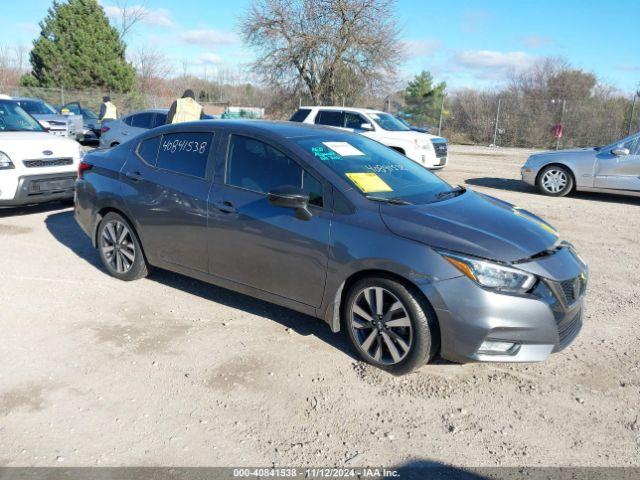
(35, 166)
(423, 148)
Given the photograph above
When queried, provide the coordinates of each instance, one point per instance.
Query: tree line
(330, 52)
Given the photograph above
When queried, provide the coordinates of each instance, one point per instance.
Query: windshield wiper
(392, 200)
(459, 190)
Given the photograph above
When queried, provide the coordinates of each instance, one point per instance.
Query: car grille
(569, 328)
(440, 149)
(48, 162)
(573, 289)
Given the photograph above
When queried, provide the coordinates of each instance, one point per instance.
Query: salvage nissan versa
(336, 225)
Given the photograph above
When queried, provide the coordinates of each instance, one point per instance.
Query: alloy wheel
(554, 180)
(117, 245)
(381, 325)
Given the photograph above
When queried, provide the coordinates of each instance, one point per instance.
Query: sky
(467, 43)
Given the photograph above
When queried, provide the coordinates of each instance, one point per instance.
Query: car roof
(279, 128)
(30, 99)
(352, 109)
(150, 110)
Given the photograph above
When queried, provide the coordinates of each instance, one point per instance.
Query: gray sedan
(338, 226)
(611, 169)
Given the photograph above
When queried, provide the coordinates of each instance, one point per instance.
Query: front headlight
(5, 162)
(492, 275)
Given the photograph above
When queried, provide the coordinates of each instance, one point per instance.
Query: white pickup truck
(426, 149)
(35, 166)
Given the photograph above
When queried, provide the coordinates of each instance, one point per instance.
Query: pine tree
(78, 48)
(424, 99)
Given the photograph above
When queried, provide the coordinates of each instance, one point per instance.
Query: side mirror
(366, 126)
(44, 124)
(291, 197)
(620, 151)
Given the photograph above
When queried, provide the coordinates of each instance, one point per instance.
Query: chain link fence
(468, 117)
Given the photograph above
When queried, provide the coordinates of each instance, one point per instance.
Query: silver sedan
(611, 169)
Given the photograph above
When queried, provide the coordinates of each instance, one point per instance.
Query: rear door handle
(225, 206)
(125, 133)
(135, 176)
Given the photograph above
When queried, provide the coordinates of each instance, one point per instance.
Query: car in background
(58, 124)
(90, 121)
(336, 225)
(428, 150)
(35, 166)
(611, 169)
(119, 131)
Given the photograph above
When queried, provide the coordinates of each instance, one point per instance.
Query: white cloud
(209, 37)
(209, 58)
(156, 17)
(536, 41)
(421, 48)
(493, 64)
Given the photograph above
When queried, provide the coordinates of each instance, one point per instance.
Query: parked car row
(35, 166)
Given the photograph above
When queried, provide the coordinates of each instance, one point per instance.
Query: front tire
(555, 181)
(119, 249)
(390, 325)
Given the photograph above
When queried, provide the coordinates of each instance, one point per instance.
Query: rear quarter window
(300, 115)
(148, 150)
(185, 153)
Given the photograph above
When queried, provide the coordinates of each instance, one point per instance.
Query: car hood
(474, 224)
(569, 151)
(408, 136)
(29, 145)
(51, 117)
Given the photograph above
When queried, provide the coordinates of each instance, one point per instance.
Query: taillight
(104, 129)
(83, 167)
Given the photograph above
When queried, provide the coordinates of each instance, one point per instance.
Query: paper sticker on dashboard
(369, 182)
(344, 148)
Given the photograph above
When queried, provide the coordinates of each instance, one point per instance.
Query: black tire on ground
(422, 337)
(555, 181)
(132, 264)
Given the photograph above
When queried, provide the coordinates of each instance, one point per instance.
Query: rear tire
(555, 181)
(119, 248)
(390, 325)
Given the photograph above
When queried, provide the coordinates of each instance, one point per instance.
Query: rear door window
(300, 115)
(332, 118)
(148, 150)
(142, 120)
(185, 153)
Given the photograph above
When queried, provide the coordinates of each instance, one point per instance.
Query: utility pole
(633, 110)
(495, 130)
(564, 102)
(441, 112)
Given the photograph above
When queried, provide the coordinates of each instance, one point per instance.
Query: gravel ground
(172, 371)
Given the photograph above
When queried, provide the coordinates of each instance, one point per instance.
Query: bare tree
(129, 16)
(152, 67)
(12, 64)
(336, 48)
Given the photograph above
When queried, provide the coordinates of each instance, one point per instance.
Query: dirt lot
(172, 371)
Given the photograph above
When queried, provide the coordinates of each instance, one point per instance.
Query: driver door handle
(225, 206)
(135, 176)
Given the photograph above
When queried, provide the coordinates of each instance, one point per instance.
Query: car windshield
(14, 119)
(89, 114)
(380, 173)
(389, 122)
(37, 107)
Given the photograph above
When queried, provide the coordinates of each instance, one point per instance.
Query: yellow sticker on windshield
(369, 182)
